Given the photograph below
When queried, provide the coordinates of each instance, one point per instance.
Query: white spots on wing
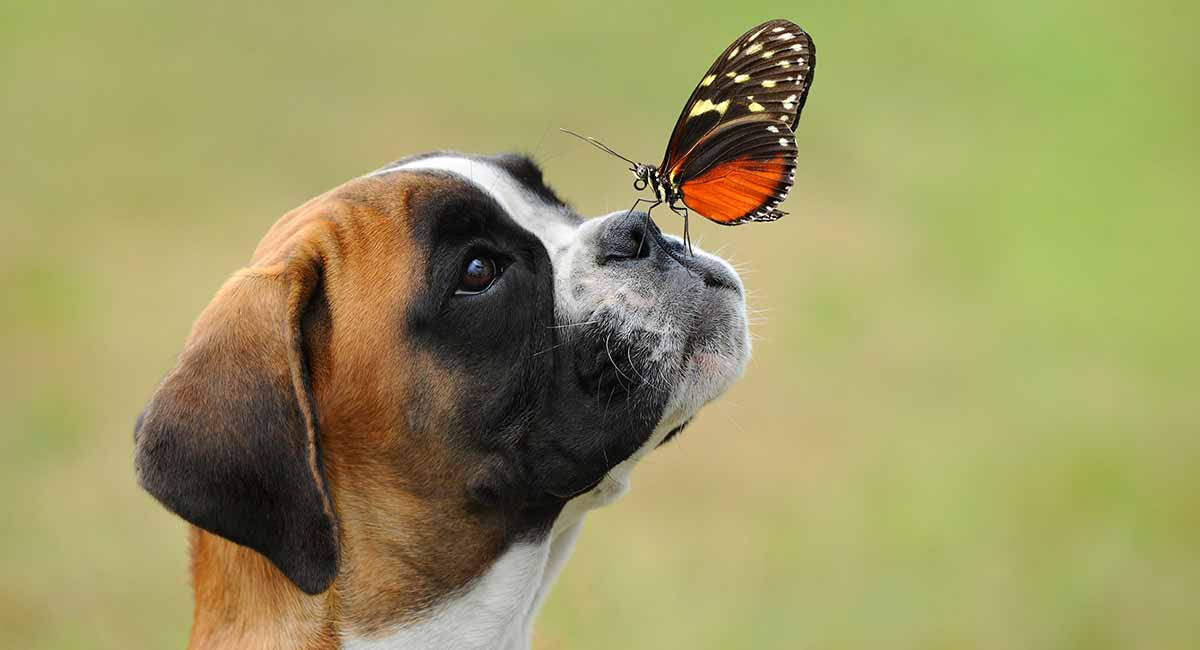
(783, 142)
(768, 84)
(798, 47)
(707, 81)
(785, 118)
(789, 103)
(777, 30)
(754, 48)
(731, 75)
(742, 77)
(706, 105)
(755, 107)
(785, 37)
(773, 129)
(768, 54)
(733, 53)
(785, 64)
(756, 34)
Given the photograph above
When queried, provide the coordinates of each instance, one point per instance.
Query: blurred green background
(973, 415)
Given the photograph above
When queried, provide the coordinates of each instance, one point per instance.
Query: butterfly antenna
(598, 144)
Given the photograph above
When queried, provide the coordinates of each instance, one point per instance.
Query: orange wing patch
(732, 192)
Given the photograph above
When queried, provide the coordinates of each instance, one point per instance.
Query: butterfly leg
(653, 203)
(669, 250)
(645, 224)
(683, 212)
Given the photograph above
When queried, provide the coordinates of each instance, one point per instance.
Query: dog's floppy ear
(229, 441)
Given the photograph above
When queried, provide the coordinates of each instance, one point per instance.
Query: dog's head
(439, 350)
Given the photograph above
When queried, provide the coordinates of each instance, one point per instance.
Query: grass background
(973, 416)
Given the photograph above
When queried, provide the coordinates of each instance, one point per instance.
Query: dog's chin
(706, 351)
(654, 339)
(714, 355)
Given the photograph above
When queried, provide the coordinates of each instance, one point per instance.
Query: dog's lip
(674, 432)
(715, 272)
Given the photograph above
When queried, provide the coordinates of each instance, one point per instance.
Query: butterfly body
(664, 190)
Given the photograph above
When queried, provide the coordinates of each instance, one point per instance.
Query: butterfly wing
(767, 72)
(761, 79)
(740, 172)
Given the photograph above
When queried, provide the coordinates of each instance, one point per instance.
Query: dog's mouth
(674, 432)
(679, 363)
(715, 273)
(679, 336)
(606, 361)
(651, 340)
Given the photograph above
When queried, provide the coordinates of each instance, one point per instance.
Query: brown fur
(406, 535)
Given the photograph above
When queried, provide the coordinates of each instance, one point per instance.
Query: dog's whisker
(566, 325)
(660, 384)
(549, 349)
(632, 366)
(645, 382)
(736, 425)
(608, 350)
(610, 396)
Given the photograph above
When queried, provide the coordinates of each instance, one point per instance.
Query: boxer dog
(385, 431)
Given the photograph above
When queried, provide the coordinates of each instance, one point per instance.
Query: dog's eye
(478, 273)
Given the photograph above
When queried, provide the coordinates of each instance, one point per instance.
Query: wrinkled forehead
(515, 184)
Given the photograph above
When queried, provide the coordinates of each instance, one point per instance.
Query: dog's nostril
(628, 237)
(641, 247)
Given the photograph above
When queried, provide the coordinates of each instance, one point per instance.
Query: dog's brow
(552, 224)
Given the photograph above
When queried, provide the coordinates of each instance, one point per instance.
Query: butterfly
(732, 155)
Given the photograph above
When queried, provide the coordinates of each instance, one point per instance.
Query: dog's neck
(496, 612)
(243, 601)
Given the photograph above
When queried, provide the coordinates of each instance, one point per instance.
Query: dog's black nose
(629, 236)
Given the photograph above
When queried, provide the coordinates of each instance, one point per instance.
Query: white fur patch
(525, 207)
(495, 612)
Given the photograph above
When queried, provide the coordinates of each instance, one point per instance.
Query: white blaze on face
(546, 221)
